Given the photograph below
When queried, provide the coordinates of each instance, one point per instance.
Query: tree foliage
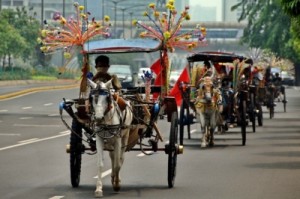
(273, 25)
(18, 33)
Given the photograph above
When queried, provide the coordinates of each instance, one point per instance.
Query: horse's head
(101, 98)
(206, 89)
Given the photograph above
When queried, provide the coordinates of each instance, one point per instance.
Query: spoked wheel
(181, 122)
(172, 149)
(75, 154)
(259, 115)
(243, 123)
(252, 111)
(184, 120)
(271, 106)
(284, 101)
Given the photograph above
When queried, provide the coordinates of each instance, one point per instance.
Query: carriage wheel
(259, 115)
(271, 106)
(284, 99)
(172, 150)
(75, 154)
(184, 120)
(252, 111)
(243, 122)
(181, 122)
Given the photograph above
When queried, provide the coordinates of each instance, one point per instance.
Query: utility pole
(42, 13)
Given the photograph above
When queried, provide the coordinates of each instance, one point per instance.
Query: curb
(37, 89)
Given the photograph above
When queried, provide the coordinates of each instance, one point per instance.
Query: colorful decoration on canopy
(238, 72)
(167, 29)
(147, 78)
(73, 33)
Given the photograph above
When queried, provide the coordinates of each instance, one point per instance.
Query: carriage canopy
(219, 57)
(122, 45)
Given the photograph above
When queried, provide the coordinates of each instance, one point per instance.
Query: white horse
(112, 126)
(207, 104)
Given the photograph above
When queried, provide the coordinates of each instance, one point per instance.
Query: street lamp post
(131, 13)
(123, 20)
(42, 13)
(115, 8)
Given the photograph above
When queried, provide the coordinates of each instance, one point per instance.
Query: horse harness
(110, 130)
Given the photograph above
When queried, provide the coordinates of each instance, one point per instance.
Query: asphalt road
(34, 163)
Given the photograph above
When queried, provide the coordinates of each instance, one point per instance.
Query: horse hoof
(98, 194)
(203, 145)
(117, 188)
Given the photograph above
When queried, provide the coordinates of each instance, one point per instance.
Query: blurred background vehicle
(174, 75)
(124, 73)
(287, 79)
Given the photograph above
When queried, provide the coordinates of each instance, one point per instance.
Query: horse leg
(100, 165)
(116, 164)
(212, 127)
(201, 119)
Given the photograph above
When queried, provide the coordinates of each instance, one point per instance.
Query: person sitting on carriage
(199, 72)
(277, 80)
(102, 66)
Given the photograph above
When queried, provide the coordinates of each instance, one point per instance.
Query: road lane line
(3, 110)
(53, 115)
(29, 140)
(143, 154)
(36, 125)
(26, 143)
(57, 197)
(104, 174)
(67, 132)
(193, 131)
(10, 134)
(25, 118)
(26, 107)
(48, 104)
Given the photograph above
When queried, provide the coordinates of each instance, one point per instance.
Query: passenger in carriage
(199, 72)
(277, 80)
(102, 65)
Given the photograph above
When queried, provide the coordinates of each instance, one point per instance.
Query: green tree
(25, 30)
(269, 27)
(292, 8)
(12, 43)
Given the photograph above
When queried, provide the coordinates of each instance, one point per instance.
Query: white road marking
(57, 197)
(48, 104)
(143, 154)
(26, 107)
(29, 140)
(193, 131)
(25, 143)
(3, 110)
(10, 134)
(36, 125)
(65, 132)
(25, 118)
(53, 115)
(104, 174)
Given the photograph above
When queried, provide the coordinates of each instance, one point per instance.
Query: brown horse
(208, 103)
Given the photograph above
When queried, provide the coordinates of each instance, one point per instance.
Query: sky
(209, 3)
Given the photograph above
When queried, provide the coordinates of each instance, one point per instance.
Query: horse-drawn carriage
(230, 78)
(143, 133)
(271, 91)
